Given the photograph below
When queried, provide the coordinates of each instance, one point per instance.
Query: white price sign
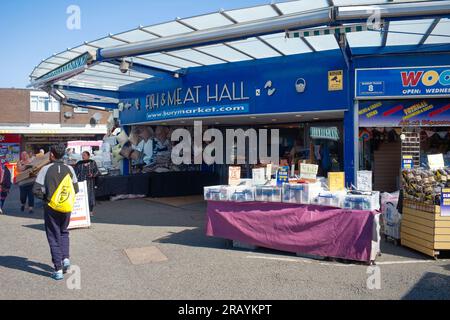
(364, 181)
(436, 161)
(80, 217)
(308, 171)
(259, 176)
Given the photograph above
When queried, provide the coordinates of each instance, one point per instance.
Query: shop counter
(119, 185)
(179, 184)
(301, 229)
(157, 185)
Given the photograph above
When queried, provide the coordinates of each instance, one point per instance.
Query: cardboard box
(36, 165)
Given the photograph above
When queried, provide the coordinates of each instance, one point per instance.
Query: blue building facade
(316, 83)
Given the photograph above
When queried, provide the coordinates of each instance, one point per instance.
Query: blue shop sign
(408, 82)
(246, 88)
(198, 112)
(79, 62)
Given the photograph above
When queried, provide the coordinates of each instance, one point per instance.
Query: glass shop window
(41, 103)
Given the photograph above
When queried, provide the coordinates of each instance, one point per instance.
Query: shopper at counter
(87, 170)
(26, 186)
(146, 145)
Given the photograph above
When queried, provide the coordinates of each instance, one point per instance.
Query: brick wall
(15, 109)
(81, 118)
(14, 106)
(44, 117)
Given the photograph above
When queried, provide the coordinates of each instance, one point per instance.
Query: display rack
(424, 229)
(411, 145)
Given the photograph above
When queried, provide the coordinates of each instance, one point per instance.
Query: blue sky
(33, 30)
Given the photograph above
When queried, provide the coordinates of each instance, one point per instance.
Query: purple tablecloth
(306, 229)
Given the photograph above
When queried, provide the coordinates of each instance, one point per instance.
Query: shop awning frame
(170, 49)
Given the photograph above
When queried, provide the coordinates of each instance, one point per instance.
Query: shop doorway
(380, 152)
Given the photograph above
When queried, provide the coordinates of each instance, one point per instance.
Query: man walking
(47, 183)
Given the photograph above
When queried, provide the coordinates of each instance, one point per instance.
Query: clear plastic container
(217, 193)
(330, 199)
(268, 194)
(300, 193)
(242, 194)
(362, 202)
(246, 182)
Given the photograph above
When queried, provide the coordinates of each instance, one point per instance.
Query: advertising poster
(80, 217)
(405, 113)
(445, 203)
(282, 175)
(10, 148)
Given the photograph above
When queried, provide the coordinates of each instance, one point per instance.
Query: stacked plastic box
(369, 201)
(298, 193)
(217, 193)
(229, 193)
(330, 199)
(301, 193)
(268, 193)
(242, 194)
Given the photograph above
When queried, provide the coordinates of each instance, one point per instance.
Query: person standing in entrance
(87, 170)
(56, 223)
(5, 184)
(26, 186)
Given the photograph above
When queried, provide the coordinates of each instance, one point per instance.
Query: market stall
(303, 215)
(302, 229)
(108, 185)
(139, 163)
(155, 185)
(425, 225)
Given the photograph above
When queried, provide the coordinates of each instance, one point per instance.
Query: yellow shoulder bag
(63, 199)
